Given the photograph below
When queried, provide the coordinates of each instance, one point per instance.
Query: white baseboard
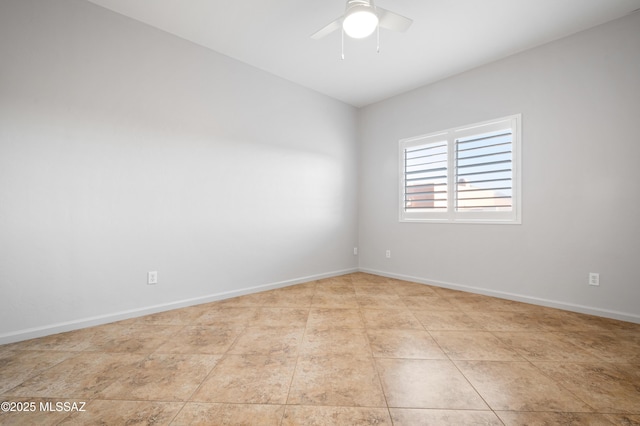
(623, 316)
(62, 327)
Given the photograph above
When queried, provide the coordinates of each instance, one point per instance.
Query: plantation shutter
(425, 177)
(484, 172)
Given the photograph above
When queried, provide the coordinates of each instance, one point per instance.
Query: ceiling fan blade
(327, 29)
(393, 21)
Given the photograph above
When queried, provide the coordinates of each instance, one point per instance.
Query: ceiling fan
(361, 18)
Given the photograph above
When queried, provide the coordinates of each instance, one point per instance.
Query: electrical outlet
(355, 251)
(594, 278)
(388, 254)
(152, 277)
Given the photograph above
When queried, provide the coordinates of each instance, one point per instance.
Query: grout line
(373, 361)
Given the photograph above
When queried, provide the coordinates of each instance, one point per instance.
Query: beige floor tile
(428, 303)
(287, 298)
(474, 345)
(518, 386)
(390, 319)
(268, 341)
(404, 344)
(361, 278)
(507, 321)
(335, 318)
(249, 379)
(612, 346)
(14, 347)
(201, 340)
(82, 376)
(514, 418)
(564, 321)
(609, 388)
(101, 412)
(18, 366)
(446, 320)
(281, 317)
(545, 346)
(72, 341)
(228, 316)
(206, 414)
(413, 383)
(375, 290)
(581, 322)
(343, 380)
(624, 419)
(162, 377)
(335, 341)
(412, 417)
(406, 288)
(380, 301)
(131, 338)
(482, 303)
(342, 279)
(324, 300)
(335, 289)
(296, 415)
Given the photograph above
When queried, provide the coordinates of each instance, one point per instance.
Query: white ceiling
(447, 37)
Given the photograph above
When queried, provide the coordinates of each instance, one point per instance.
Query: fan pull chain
(378, 38)
(342, 44)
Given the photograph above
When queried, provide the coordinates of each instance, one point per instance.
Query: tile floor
(352, 350)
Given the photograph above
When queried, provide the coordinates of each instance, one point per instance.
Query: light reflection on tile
(420, 383)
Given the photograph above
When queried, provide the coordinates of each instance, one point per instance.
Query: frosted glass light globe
(360, 22)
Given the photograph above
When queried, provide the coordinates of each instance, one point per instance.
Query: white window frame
(514, 216)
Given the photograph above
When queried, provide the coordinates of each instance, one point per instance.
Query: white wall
(580, 104)
(124, 149)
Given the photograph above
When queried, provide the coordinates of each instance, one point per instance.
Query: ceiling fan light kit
(360, 21)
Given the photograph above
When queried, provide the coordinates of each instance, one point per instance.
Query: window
(466, 174)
